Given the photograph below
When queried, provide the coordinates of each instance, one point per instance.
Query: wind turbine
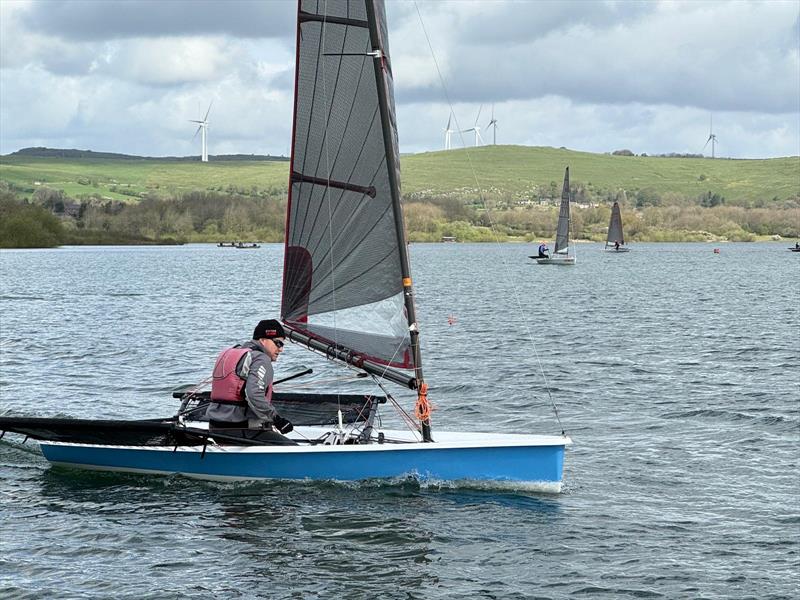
(476, 128)
(447, 133)
(203, 138)
(711, 137)
(493, 125)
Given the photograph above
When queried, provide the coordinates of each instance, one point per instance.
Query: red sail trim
(340, 185)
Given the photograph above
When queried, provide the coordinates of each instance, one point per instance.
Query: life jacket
(226, 384)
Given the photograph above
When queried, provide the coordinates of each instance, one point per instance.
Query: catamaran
(615, 241)
(347, 294)
(561, 255)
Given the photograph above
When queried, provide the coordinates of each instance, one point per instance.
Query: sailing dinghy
(561, 255)
(615, 241)
(347, 294)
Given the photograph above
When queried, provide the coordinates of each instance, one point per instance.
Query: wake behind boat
(347, 295)
(561, 255)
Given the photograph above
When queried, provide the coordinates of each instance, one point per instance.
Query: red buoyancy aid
(226, 385)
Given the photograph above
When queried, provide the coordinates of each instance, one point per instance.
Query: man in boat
(241, 388)
(543, 250)
(616, 245)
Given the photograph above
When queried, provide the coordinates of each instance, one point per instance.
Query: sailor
(241, 388)
(616, 245)
(543, 250)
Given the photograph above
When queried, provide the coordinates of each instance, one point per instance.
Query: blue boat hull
(538, 465)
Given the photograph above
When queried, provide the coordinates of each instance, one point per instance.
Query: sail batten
(343, 271)
(341, 185)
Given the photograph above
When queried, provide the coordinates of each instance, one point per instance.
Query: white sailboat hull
(508, 460)
(556, 260)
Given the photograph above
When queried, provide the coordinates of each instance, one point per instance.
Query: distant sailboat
(561, 255)
(616, 239)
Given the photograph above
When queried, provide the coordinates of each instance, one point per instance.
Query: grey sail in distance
(615, 226)
(342, 277)
(562, 230)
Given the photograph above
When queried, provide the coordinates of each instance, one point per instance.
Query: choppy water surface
(675, 371)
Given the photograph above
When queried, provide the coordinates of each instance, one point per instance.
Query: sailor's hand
(283, 425)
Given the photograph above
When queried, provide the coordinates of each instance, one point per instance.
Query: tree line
(50, 218)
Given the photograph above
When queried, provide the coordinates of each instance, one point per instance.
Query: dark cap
(268, 328)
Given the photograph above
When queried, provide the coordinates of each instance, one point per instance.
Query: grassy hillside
(125, 179)
(504, 171)
(516, 169)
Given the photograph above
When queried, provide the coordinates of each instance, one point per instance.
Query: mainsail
(345, 263)
(615, 226)
(562, 231)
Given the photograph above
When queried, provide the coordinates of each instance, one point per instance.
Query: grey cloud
(514, 22)
(103, 20)
(669, 61)
(67, 59)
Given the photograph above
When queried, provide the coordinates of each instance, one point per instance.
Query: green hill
(506, 172)
(516, 170)
(476, 194)
(126, 179)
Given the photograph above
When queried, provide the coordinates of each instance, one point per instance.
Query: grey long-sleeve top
(255, 368)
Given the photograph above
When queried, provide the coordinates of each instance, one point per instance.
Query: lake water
(674, 369)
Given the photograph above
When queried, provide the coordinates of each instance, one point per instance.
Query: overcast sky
(128, 75)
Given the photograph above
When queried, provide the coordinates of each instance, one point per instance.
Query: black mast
(381, 64)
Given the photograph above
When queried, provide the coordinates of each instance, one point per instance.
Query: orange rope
(422, 409)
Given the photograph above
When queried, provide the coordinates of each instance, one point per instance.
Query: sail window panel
(378, 330)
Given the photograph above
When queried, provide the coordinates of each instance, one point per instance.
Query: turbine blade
(196, 132)
(208, 111)
(480, 108)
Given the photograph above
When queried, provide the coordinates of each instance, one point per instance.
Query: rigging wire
(509, 275)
